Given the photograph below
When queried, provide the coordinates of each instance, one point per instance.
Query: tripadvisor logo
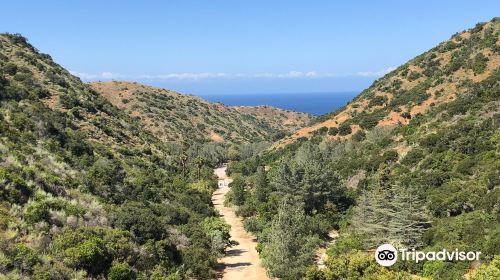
(387, 255)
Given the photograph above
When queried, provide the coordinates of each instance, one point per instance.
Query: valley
(124, 181)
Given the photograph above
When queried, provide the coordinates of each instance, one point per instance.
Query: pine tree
(286, 180)
(372, 215)
(410, 218)
(289, 248)
(390, 214)
(261, 186)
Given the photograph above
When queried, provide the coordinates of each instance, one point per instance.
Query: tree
(91, 255)
(409, 218)
(390, 213)
(183, 158)
(261, 190)
(289, 248)
(218, 231)
(371, 215)
(199, 164)
(308, 179)
(238, 190)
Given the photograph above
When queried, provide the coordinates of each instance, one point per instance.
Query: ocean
(313, 103)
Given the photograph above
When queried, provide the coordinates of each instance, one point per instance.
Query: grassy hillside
(412, 161)
(86, 192)
(172, 116)
(429, 80)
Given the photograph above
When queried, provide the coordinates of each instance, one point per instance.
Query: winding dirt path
(241, 261)
(321, 255)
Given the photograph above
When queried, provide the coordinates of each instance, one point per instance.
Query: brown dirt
(321, 255)
(216, 137)
(241, 261)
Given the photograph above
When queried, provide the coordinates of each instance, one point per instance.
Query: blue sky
(232, 47)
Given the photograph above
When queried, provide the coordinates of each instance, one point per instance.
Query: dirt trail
(321, 255)
(241, 261)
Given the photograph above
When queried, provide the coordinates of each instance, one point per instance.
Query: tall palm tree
(183, 158)
(199, 163)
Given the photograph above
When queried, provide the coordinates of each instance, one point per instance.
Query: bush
(37, 212)
(406, 115)
(24, 258)
(10, 68)
(377, 101)
(345, 244)
(345, 129)
(90, 255)
(489, 271)
(322, 130)
(431, 268)
(369, 121)
(141, 221)
(69, 100)
(121, 271)
(333, 131)
(218, 231)
(390, 156)
(14, 188)
(359, 136)
(479, 63)
(413, 157)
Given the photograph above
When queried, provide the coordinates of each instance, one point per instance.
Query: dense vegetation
(86, 193)
(430, 181)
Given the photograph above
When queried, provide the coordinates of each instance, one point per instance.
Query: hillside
(429, 80)
(86, 192)
(412, 161)
(172, 116)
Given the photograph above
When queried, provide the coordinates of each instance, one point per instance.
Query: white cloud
(376, 73)
(101, 76)
(222, 75)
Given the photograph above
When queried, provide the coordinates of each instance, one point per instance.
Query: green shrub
(24, 258)
(121, 271)
(479, 63)
(377, 101)
(345, 129)
(359, 136)
(36, 212)
(413, 157)
(345, 244)
(141, 221)
(489, 271)
(90, 255)
(390, 156)
(10, 68)
(322, 130)
(333, 131)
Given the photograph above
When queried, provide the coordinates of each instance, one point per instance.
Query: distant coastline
(314, 103)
